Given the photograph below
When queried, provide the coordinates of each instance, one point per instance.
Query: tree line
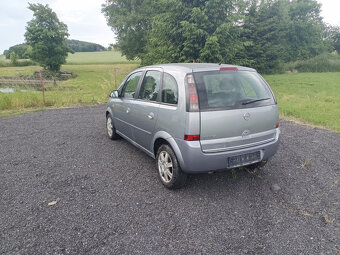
(263, 34)
(22, 50)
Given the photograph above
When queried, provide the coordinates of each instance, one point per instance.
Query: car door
(122, 106)
(144, 110)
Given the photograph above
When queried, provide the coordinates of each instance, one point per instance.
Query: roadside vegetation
(326, 62)
(309, 97)
(91, 85)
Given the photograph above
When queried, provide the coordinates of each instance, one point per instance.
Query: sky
(86, 22)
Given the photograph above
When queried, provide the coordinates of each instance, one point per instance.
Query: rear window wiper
(255, 100)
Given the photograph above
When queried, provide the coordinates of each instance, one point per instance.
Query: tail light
(277, 124)
(192, 97)
(191, 137)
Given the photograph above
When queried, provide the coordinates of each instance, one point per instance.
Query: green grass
(309, 97)
(91, 86)
(99, 57)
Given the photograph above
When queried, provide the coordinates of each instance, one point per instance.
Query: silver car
(196, 118)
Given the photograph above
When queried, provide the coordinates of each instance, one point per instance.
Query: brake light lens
(191, 137)
(228, 68)
(277, 124)
(192, 104)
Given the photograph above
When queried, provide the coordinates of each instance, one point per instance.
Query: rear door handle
(128, 110)
(151, 115)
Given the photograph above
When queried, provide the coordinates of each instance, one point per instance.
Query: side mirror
(114, 94)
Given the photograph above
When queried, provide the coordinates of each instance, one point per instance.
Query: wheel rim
(109, 126)
(165, 166)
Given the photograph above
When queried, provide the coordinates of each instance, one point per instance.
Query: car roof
(197, 67)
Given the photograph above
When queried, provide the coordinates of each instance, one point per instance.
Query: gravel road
(65, 188)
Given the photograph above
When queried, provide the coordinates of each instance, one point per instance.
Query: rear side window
(231, 90)
(150, 86)
(131, 84)
(169, 90)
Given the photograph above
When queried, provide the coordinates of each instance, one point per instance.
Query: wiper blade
(255, 100)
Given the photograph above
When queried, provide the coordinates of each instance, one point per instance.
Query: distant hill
(78, 46)
(81, 46)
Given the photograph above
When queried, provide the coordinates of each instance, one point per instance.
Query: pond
(7, 90)
(11, 90)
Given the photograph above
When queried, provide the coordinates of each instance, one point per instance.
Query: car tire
(110, 128)
(169, 170)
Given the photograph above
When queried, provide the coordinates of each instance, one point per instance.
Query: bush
(19, 62)
(327, 62)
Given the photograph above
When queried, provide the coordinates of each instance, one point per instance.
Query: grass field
(91, 86)
(309, 97)
(99, 57)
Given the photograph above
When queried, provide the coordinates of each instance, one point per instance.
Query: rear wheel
(111, 130)
(169, 171)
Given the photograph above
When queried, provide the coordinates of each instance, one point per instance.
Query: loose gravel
(65, 188)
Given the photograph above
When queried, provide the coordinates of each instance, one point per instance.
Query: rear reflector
(228, 68)
(191, 137)
(277, 124)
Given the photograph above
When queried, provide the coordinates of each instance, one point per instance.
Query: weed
(305, 164)
(328, 220)
(233, 174)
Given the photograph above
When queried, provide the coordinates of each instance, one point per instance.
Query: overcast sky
(85, 21)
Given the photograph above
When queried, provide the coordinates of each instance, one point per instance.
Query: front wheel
(169, 171)
(111, 130)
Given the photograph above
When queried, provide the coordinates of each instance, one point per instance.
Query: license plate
(244, 159)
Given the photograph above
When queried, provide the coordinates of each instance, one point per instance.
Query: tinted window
(169, 90)
(150, 86)
(231, 90)
(130, 87)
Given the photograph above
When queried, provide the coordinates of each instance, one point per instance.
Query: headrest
(227, 83)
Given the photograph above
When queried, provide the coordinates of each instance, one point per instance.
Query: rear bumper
(193, 160)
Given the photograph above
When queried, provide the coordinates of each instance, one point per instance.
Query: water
(11, 90)
(7, 90)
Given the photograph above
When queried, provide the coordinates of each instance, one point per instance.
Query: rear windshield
(220, 90)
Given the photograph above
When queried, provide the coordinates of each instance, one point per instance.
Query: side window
(130, 87)
(169, 90)
(150, 86)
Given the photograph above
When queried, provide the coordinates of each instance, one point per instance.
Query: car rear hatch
(237, 110)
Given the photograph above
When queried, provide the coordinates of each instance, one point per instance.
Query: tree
(14, 58)
(131, 21)
(47, 37)
(305, 30)
(81, 46)
(263, 34)
(337, 42)
(19, 50)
